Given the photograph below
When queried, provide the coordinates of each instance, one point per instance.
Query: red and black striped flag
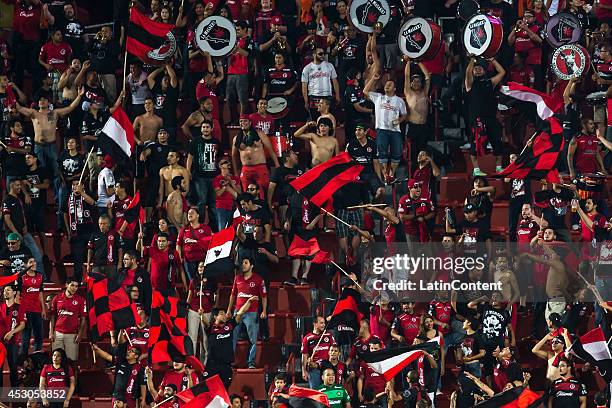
(309, 250)
(108, 307)
(346, 312)
(7, 280)
(168, 339)
(300, 397)
(151, 41)
(210, 393)
(538, 159)
(134, 211)
(390, 362)
(322, 181)
(517, 397)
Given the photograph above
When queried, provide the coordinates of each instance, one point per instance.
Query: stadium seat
(282, 326)
(95, 383)
(250, 382)
(268, 354)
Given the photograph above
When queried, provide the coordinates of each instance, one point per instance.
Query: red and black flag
(210, 393)
(322, 181)
(347, 312)
(300, 397)
(538, 159)
(168, 339)
(309, 250)
(517, 397)
(135, 211)
(151, 41)
(390, 362)
(7, 280)
(108, 307)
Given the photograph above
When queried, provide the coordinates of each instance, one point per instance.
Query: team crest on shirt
(86, 213)
(531, 225)
(146, 335)
(63, 51)
(111, 238)
(15, 312)
(572, 386)
(74, 302)
(139, 279)
(226, 328)
(134, 372)
(369, 150)
(326, 339)
(200, 230)
(252, 284)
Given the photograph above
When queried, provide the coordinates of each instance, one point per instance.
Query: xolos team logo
(570, 61)
(216, 35)
(367, 13)
(165, 51)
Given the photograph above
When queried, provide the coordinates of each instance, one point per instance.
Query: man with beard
(583, 155)
(249, 148)
(405, 327)
(482, 110)
(35, 186)
(79, 224)
(355, 103)
(427, 172)
(520, 194)
(319, 80)
(165, 96)
(104, 249)
(14, 256)
(193, 125)
(17, 144)
(12, 322)
(126, 230)
(167, 174)
(68, 319)
(415, 211)
(130, 384)
(13, 211)
(164, 264)
(155, 155)
(417, 99)
(72, 30)
(247, 285)
(529, 225)
(567, 391)
(323, 146)
(176, 204)
(253, 216)
(132, 275)
(166, 396)
(103, 51)
(148, 124)
(202, 166)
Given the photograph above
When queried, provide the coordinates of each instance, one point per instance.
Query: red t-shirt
(500, 379)
(56, 377)
(56, 55)
(524, 76)
(67, 312)
(587, 234)
(194, 242)
(239, 64)
(243, 289)
(11, 317)
(371, 378)
(118, 209)
(26, 20)
(408, 325)
(526, 230)
(587, 148)
(420, 207)
(310, 341)
(424, 176)
(203, 90)
(441, 311)
(130, 276)
(31, 288)
(224, 201)
(160, 265)
(524, 44)
(208, 297)
(377, 328)
(139, 338)
(265, 124)
(178, 379)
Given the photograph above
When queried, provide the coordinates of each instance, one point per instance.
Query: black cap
(469, 208)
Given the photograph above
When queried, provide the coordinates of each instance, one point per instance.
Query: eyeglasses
(12, 242)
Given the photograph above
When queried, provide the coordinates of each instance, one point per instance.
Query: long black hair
(65, 364)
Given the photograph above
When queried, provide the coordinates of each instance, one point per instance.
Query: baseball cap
(311, 25)
(361, 126)
(277, 20)
(469, 208)
(162, 130)
(245, 116)
(13, 237)
(413, 183)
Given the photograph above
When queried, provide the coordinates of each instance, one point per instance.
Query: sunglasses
(12, 242)
(251, 189)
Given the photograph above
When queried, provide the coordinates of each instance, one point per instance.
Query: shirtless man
(168, 173)
(322, 145)
(417, 100)
(373, 63)
(147, 124)
(72, 78)
(324, 112)
(176, 206)
(193, 124)
(248, 150)
(44, 122)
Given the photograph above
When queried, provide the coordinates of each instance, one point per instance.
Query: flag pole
(86, 161)
(527, 143)
(128, 338)
(354, 207)
(125, 54)
(337, 219)
(161, 402)
(347, 275)
(93, 352)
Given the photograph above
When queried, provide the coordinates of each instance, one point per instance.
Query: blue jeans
(473, 368)
(28, 241)
(224, 217)
(34, 324)
(251, 323)
(314, 378)
(386, 139)
(206, 197)
(191, 268)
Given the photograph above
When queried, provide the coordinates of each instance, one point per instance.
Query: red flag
(546, 105)
(149, 40)
(210, 393)
(134, 210)
(317, 397)
(6, 280)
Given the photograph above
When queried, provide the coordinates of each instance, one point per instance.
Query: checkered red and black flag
(168, 339)
(134, 211)
(538, 159)
(108, 307)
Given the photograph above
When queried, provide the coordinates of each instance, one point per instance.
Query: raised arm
(153, 76)
(501, 72)
(65, 111)
(469, 75)
(427, 76)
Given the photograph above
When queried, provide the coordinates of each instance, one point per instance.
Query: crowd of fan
(193, 174)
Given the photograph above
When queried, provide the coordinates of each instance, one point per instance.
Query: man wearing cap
(322, 145)
(355, 104)
(363, 150)
(249, 148)
(482, 110)
(14, 256)
(471, 229)
(389, 113)
(415, 211)
(13, 211)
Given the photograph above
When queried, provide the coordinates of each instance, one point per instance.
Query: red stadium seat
(268, 354)
(251, 382)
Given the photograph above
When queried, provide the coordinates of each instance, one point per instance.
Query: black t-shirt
(92, 126)
(165, 103)
(15, 208)
(476, 231)
(105, 248)
(471, 345)
(363, 154)
(414, 394)
(204, 152)
(103, 57)
(128, 377)
(481, 99)
(354, 94)
(282, 176)
(280, 80)
(253, 219)
(389, 33)
(72, 32)
(494, 323)
(261, 263)
(351, 194)
(38, 176)
(157, 159)
(220, 343)
(70, 166)
(14, 164)
(567, 393)
(351, 55)
(18, 259)
(558, 204)
(97, 94)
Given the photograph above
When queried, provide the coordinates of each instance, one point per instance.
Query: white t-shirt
(386, 110)
(319, 78)
(105, 180)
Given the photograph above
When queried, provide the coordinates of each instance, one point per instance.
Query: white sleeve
(374, 96)
(403, 110)
(334, 75)
(109, 179)
(305, 73)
